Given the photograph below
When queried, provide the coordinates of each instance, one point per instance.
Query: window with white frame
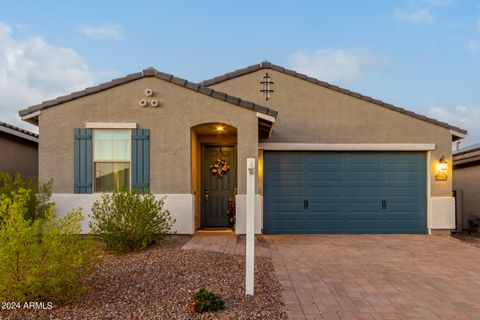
(111, 156)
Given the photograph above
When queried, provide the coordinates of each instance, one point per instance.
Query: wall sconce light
(441, 170)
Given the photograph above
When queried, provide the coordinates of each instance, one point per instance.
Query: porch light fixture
(441, 170)
(220, 128)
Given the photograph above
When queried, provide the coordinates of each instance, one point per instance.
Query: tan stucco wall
(170, 125)
(467, 179)
(18, 155)
(310, 113)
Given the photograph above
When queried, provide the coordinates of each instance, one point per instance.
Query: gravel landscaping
(159, 283)
(472, 238)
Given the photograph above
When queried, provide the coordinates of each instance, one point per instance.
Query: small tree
(44, 259)
(128, 221)
(38, 199)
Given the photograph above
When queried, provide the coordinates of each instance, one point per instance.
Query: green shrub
(38, 203)
(207, 301)
(44, 259)
(128, 221)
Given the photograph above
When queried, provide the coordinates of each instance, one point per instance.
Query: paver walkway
(226, 243)
(377, 276)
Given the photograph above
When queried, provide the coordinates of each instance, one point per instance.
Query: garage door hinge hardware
(384, 204)
(305, 204)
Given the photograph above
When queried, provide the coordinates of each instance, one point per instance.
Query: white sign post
(250, 228)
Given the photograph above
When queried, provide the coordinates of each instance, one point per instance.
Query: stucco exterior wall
(180, 206)
(18, 155)
(170, 124)
(309, 113)
(467, 179)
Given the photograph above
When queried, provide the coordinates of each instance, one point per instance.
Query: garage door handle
(305, 204)
(384, 204)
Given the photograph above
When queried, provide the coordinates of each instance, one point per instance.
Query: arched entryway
(214, 174)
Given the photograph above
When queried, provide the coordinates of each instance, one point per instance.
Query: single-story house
(18, 151)
(466, 185)
(329, 160)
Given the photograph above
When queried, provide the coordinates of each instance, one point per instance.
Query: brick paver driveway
(377, 276)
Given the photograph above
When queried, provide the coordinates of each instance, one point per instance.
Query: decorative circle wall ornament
(220, 167)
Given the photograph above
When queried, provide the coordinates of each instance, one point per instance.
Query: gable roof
(18, 132)
(471, 148)
(458, 132)
(150, 72)
(467, 156)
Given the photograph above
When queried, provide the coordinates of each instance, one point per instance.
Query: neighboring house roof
(467, 155)
(149, 72)
(18, 132)
(458, 132)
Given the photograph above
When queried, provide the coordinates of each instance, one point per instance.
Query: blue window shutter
(83, 163)
(141, 160)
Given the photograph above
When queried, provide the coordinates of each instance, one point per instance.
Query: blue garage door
(344, 192)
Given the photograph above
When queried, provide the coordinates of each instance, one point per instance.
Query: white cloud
(473, 46)
(32, 71)
(414, 16)
(103, 32)
(335, 64)
(464, 117)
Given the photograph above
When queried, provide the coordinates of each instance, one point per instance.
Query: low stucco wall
(180, 207)
(442, 215)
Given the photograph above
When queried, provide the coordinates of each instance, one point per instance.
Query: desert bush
(128, 221)
(38, 201)
(44, 259)
(207, 301)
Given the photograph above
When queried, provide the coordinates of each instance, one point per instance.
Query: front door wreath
(220, 167)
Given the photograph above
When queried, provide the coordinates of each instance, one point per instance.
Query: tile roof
(468, 149)
(19, 132)
(269, 65)
(151, 72)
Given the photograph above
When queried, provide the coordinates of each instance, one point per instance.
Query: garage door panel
(403, 192)
(286, 175)
(365, 191)
(344, 192)
(369, 206)
(287, 206)
(359, 158)
(413, 177)
(321, 224)
(324, 191)
(397, 158)
(286, 191)
(314, 158)
(403, 224)
(329, 208)
(287, 223)
(364, 176)
(363, 224)
(403, 207)
(324, 175)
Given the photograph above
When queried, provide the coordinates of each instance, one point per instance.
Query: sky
(422, 55)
